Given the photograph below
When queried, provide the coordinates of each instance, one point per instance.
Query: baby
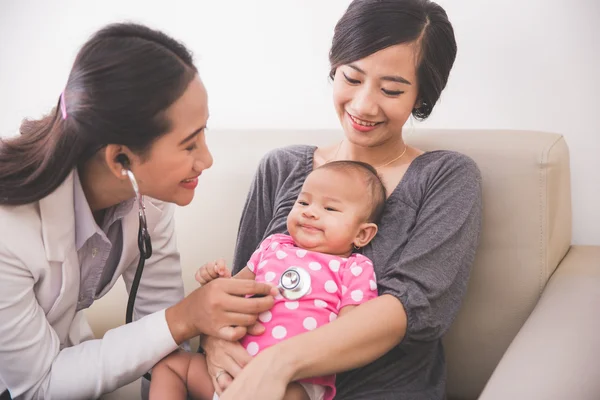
(335, 214)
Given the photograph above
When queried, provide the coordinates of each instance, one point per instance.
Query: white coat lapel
(58, 221)
(58, 233)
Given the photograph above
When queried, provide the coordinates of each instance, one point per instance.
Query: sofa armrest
(556, 354)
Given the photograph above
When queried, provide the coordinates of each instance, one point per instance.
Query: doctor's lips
(190, 183)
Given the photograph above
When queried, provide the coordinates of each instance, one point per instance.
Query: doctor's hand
(219, 308)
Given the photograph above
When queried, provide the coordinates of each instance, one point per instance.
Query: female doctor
(133, 113)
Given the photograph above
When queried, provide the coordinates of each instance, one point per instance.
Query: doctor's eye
(350, 80)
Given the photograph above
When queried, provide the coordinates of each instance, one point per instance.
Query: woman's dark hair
(369, 26)
(122, 81)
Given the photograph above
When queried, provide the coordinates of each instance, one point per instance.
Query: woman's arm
(359, 337)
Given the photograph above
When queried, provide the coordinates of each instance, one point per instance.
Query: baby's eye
(331, 209)
(302, 203)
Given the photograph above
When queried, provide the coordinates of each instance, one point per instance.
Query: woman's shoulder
(287, 163)
(443, 161)
(290, 155)
(442, 167)
(439, 174)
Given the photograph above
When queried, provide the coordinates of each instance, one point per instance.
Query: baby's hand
(211, 271)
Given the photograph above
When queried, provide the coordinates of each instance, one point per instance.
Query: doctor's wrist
(177, 321)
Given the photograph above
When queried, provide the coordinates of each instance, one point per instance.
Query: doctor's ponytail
(122, 81)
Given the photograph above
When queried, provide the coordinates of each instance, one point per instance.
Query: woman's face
(173, 164)
(375, 96)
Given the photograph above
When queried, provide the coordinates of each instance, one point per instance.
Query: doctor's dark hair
(369, 26)
(122, 81)
(375, 188)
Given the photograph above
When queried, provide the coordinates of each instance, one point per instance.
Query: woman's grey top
(422, 255)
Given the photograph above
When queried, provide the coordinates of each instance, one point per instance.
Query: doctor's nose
(204, 160)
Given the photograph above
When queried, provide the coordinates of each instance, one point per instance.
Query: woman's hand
(266, 377)
(219, 309)
(225, 361)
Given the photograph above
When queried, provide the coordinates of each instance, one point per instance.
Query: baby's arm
(212, 271)
(180, 373)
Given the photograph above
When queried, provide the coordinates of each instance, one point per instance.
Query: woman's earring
(356, 248)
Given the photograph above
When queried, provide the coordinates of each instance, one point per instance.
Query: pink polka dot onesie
(336, 282)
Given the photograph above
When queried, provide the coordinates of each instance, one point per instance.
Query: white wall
(523, 64)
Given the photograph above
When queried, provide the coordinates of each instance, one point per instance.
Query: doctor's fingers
(244, 287)
(239, 319)
(243, 305)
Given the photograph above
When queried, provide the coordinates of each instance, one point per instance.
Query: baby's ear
(366, 233)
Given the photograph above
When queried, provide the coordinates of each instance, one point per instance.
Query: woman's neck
(101, 188)
(375, 156)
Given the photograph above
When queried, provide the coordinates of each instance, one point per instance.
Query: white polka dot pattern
(372, 284)
(281, 254)
(252, 348)
(356, 270)
(265, 316)
(357, 295)
(320, 303)
(262, 264)
(301, 253)
(332, 317)
(309, 323)
(279, 332)
(334, 265)
(250, 266)
(291, 305)
(315, 266)
(270, 276)
(330, 286)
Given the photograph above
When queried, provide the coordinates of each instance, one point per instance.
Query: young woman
(389, 59)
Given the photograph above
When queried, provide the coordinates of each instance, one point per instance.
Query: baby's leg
(295, 391)
(179, 373)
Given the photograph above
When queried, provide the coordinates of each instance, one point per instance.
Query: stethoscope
(294, 283)
(145, 247)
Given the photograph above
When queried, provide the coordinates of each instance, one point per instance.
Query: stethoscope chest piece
(294, 283)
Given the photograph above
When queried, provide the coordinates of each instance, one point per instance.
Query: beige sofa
(530, 325)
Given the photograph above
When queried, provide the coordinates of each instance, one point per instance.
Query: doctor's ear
(118, 158)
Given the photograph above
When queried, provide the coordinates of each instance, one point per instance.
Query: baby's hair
(374, 183)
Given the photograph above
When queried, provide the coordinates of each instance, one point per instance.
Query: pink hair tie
(63, 106)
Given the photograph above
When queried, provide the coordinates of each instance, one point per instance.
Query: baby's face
(329, 211)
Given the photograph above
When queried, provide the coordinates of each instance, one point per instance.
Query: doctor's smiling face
(170, 168)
